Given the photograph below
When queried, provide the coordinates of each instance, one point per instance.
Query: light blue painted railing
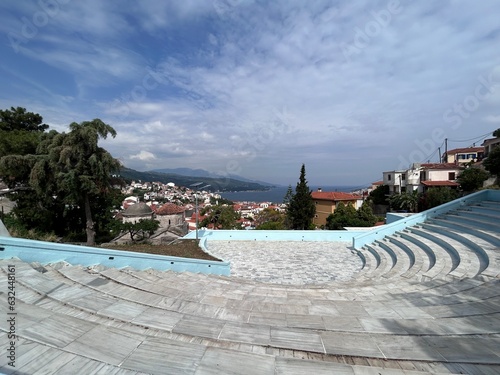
(48, 252)
(276, 235)
(389, 229)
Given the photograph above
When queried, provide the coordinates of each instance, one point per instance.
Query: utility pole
(446, 147)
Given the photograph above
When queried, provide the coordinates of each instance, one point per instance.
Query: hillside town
(176, 207)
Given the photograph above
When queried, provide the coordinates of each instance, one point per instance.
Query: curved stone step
(488, 254)
(443, 262)
(472, 259)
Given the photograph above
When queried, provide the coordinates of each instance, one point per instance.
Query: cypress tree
(301, 208)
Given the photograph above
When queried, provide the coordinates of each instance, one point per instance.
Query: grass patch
(179, 248)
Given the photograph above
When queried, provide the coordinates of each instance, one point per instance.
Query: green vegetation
(220, 217)
(138, 231)
(472, 178)
(347, 216)
(20, 131)
(269, 219)
(492, 162)
(436, 196)
(301, 209)
(379, 195)
(405, 201)
(62, 182)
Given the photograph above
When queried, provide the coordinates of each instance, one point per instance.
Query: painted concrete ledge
(275, 235)
(48, 252)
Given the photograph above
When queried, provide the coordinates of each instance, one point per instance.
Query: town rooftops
(170, 209)
(464, 150)
(439, 166)
(334, 196)
(138, 209)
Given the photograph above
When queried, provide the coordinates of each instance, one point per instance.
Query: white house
(421, 177)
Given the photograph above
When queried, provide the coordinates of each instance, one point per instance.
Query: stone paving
(288, 262)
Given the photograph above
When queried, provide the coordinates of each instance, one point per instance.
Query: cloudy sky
(256, 88)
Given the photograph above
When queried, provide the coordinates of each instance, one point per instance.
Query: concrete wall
(47, 252)
(3, 231)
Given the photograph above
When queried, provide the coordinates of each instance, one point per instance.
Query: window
(403, 176)
(422, 176)
(451, 175)
(389, 177)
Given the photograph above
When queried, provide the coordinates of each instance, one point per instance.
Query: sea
(276, 194)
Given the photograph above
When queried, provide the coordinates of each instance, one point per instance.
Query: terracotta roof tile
(334, 196)
(170, 209)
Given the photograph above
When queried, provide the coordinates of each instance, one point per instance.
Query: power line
(472, 139)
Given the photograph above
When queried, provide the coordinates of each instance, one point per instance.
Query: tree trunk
(89, 223)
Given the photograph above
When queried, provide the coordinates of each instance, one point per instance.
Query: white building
(421, 177)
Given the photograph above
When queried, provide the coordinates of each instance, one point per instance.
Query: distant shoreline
(276, 194)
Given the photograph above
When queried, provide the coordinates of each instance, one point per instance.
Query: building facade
(327, 201)
(464, 155)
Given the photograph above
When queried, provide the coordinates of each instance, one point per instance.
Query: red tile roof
(334, 196)
(465, 149)
(440, 166)
(439, 183)
(170, 209)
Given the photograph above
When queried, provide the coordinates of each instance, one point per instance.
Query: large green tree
(72, 166)
(220, 217)
(269, 218)
(301, 209)
(20, 131)
(407, 201)
(436, 196)
(347, 216)
(472, 178)
(492, 162)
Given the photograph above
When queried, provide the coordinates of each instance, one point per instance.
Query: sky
(258, 88)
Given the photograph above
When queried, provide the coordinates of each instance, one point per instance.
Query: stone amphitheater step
(443, 261)
(488, 254)
(420, 261)
(476, 219)
(208, 304)
(287, 336)
(471, 259)
(491, 237)
(402, 261)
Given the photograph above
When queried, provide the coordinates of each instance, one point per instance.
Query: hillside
(216, 183)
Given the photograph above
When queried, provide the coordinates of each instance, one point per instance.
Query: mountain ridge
(189, 172)
(220, 184)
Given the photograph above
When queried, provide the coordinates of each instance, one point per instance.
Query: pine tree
(301, 208)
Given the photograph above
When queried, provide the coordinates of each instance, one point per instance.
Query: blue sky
(256, 88)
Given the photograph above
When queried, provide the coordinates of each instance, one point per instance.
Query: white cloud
(202, 84)
(143, 155)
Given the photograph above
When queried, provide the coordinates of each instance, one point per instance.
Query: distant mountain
(217, 183)
(204, 173)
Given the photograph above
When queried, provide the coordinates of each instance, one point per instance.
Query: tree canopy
(220, 217)
(67, 173)
(436, 196)
(492, 162)
(301, 208)
(270, 219)
(407, 201)
(472, 178)
(20, 131)
(347, 216)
